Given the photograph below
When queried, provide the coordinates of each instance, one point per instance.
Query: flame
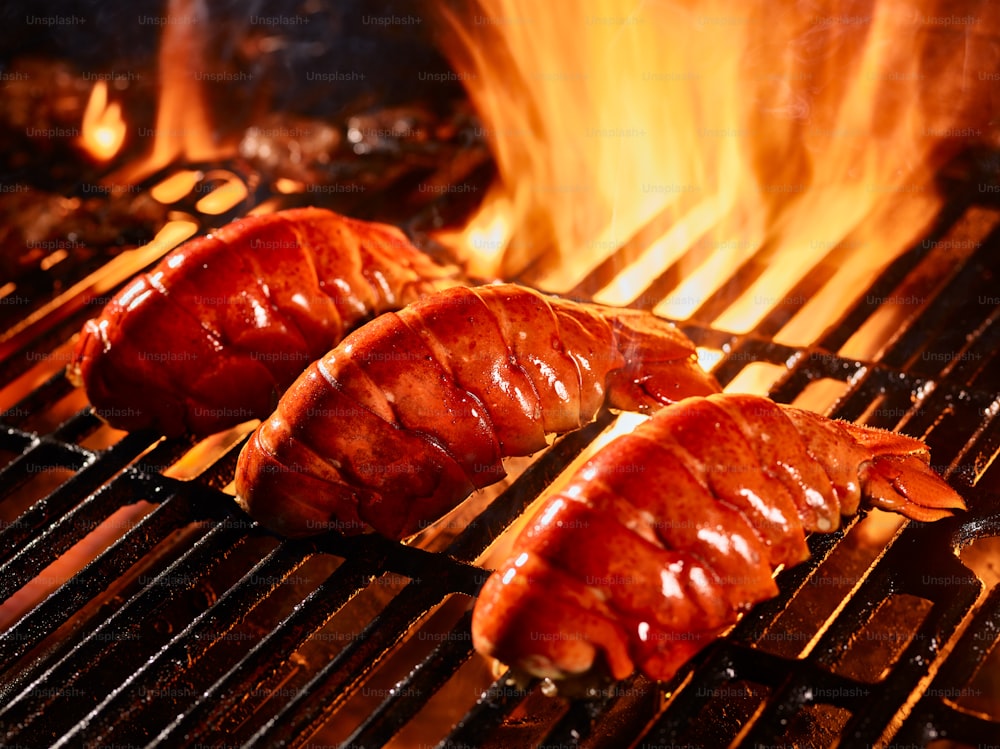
(226, 196)
(483, 239)
(103, 128)
(712, 137)
(183, 129)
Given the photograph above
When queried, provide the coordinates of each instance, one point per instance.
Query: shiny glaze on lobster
(415, 410)
(661, 540)
(222, 325)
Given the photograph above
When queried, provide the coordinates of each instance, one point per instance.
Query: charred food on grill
(415, 410)
(660, 541)
(213, 335)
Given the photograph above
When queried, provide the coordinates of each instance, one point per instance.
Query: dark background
(322, 36)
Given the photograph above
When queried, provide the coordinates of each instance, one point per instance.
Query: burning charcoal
(388, 130)
(121, 219)
(29, 230)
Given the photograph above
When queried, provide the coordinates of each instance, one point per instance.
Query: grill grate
(191, 623)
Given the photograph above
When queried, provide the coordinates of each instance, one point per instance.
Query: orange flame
(183, 129)
(737, 129)
(103, 129)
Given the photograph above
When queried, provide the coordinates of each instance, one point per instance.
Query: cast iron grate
(155, 640)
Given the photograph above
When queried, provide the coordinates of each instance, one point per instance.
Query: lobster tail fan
(908, 486)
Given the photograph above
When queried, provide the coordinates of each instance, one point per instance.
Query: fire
(103, 130)
(484, 238)
(713, 137)
(183, 129)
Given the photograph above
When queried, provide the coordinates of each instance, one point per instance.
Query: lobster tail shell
(213, 335)
(661, 539)
(417, 409)
(661, 363)
(285, 480)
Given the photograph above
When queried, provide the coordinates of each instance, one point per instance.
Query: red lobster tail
(285, 480)
(899, 477)
(661, 364)
(223, 324)
(665, 536)
(444, 390)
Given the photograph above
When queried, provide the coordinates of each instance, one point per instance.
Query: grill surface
(194, 624)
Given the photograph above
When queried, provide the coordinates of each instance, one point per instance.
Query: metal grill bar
(493, 707)
(429, 676)
(945, 324)
(932, 717)
(86, 585)
(182, 653)
(124, 625)
(216, 705)
(91, 689)
(579, 722)
(890, 278)
(62, 506)
(919, 551)
(306, 710)
(875, 704)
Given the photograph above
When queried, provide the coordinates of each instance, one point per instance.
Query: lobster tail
(662, 538)
(661, 364)
(444, 390)
(286, 480)
(907, 485)
(213, 335)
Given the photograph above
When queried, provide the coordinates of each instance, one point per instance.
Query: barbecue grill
(183, 623)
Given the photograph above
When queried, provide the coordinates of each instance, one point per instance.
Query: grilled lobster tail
(667, 534)
(215, 333)
(415, 410)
